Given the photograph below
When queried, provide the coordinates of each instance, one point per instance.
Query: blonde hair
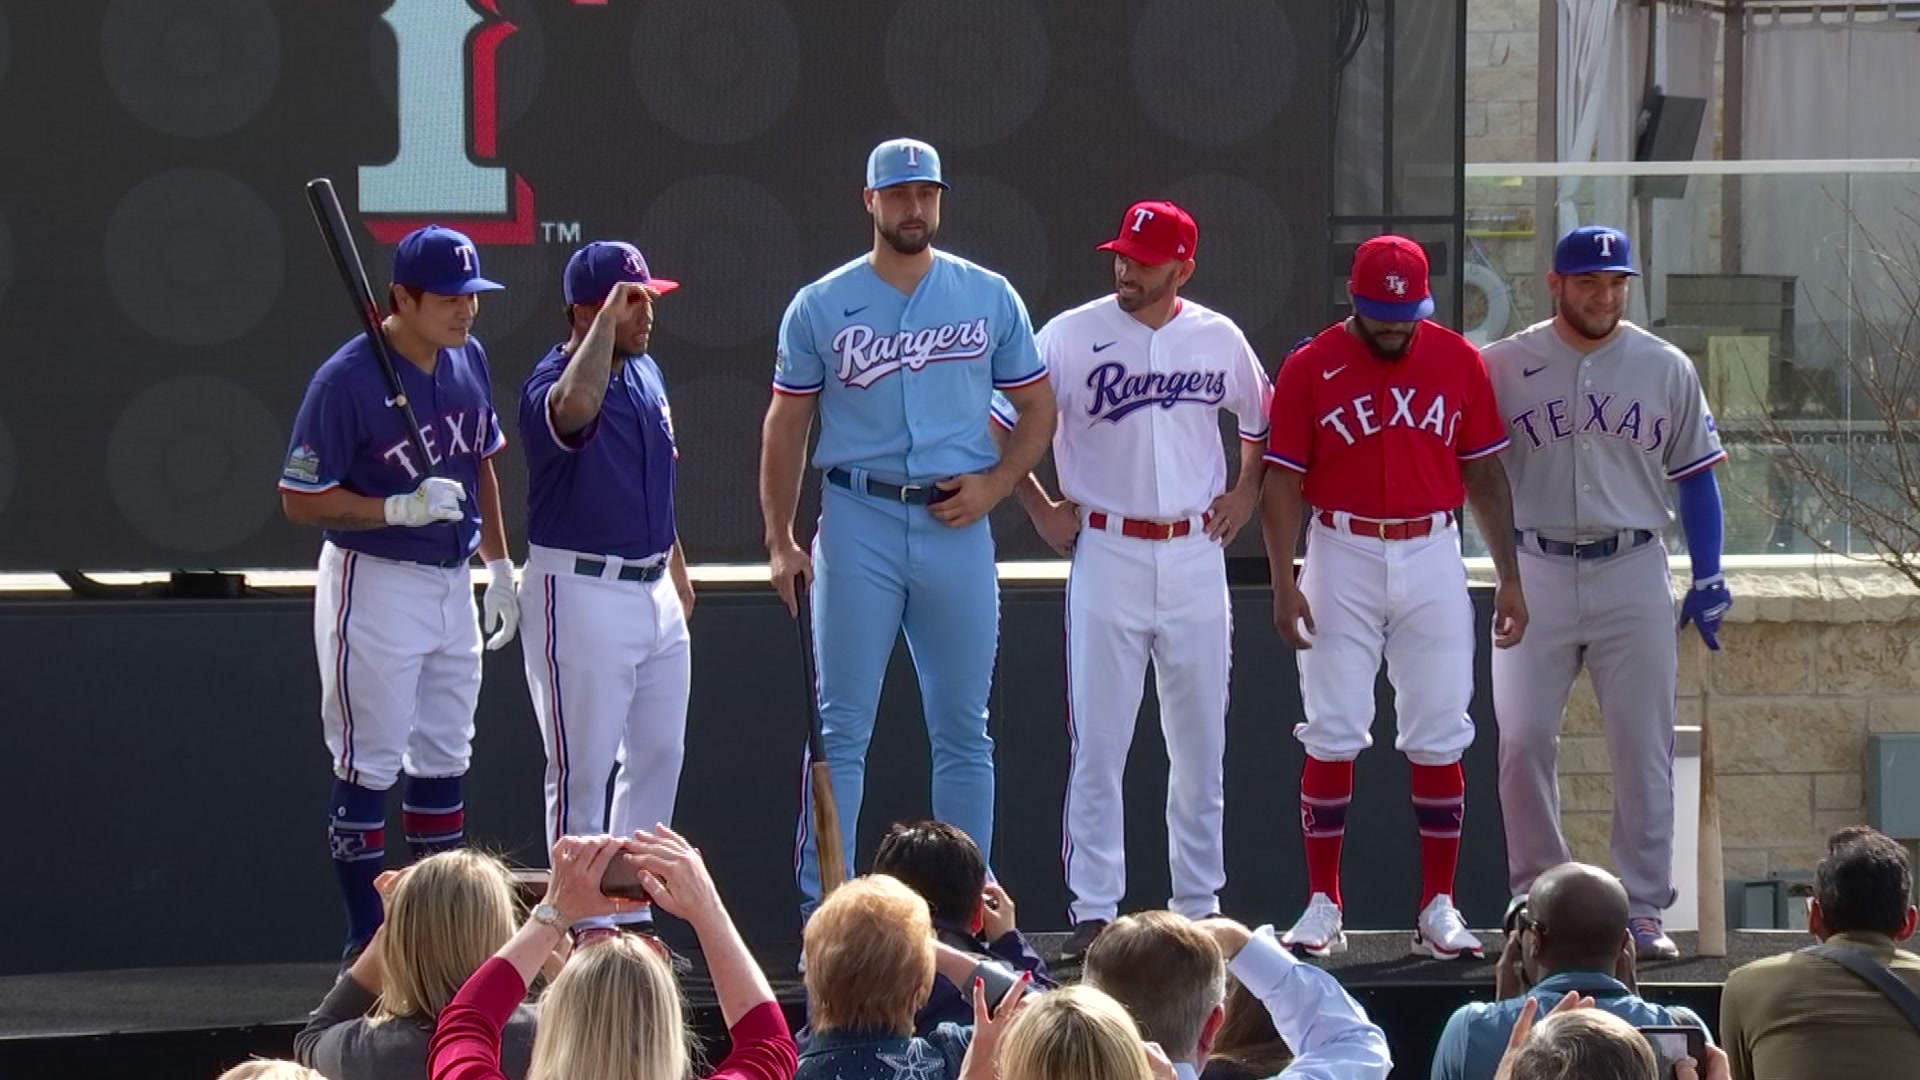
(869, 953)
(1078, 1033)
(265, 1069)
(613, 1014)
(445, 916)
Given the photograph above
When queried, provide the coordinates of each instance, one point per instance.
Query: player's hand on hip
(1290, 611)
(501, 604)
(974, 496)
(685, 592)
(436, 499)
(1059, 526)
(785, 563)
(1509, 614)
(1230, 513)
(1705, 605)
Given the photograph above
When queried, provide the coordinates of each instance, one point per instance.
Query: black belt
(880, 489)
(597, 568)
(1592, 549)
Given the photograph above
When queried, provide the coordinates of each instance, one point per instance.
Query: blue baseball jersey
(606, 489)
(906, 382)
(349, 434)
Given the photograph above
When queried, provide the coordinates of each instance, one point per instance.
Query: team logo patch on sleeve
(303, 465)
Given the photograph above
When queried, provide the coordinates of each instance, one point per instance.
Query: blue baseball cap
(441, 261)
(1594, 249)
(903, 161)
(594, 270)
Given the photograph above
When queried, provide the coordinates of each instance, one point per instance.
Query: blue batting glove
(1705, 605)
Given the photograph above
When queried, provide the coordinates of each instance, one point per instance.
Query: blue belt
(597, 568)
(880, 489)
(1592, 549)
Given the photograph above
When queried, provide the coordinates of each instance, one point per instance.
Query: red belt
(1383, 530)
(1143, 530)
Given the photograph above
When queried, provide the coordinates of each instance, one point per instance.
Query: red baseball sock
(1326, 787)
(1439, 805)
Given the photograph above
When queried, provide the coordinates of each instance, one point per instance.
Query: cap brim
(1596, 270)
(1137, 251)
(463, 288)
(661, 286)
(898, 180)
(1379, 312)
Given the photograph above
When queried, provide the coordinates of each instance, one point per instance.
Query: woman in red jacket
(615, 1011)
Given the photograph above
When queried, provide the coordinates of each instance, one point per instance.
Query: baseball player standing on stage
(1603, 416)
(1384, 423)
(606, 590)
(1141, 377)
(393, 614)
(902, 349)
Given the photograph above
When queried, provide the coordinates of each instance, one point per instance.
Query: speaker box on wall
(169, 298)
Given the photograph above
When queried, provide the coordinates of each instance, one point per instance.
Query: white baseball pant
(1405, 600)
(1616, 614)
(1129, 600)
(398, 645)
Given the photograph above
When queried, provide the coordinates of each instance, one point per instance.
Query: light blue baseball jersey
(906, 382)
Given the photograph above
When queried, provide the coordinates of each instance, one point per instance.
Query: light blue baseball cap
(903, 161)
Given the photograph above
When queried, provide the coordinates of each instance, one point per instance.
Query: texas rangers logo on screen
(449, 129)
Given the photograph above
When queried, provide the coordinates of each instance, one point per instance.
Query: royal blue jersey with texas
(348, 434)
(905, 382)
(606, 489)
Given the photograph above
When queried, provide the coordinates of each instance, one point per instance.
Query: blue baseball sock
(435, 816)
(357, 832)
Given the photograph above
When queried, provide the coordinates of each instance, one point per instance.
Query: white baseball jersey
(1124, 444)
(1138, 436)
(1596, 437)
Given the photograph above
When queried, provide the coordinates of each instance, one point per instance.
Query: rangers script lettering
(1117, 393)
(1363, 412)
(867, 357)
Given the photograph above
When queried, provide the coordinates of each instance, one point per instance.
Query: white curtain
(1680, 237)
(1603, 60)
(1826, 92)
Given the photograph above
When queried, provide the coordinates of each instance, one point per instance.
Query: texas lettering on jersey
(1118, 393)
(867, 357)
(1412, 407)
(456, 426)
(1553, 420)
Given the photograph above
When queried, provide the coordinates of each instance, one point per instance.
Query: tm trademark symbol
(560, 232)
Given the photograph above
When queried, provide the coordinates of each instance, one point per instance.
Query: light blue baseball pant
(881, 566)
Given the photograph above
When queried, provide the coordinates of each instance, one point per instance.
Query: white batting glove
(436, 499)
(501, 604)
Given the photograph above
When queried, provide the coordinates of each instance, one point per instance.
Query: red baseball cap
(1155, 233)
(1389, 282)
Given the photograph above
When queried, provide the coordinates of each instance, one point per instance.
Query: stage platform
(193, 1022)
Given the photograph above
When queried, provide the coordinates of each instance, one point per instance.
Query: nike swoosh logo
(1528, 373)
(1108, 345)
(852, 311)
(1335, 371)
(392, 401)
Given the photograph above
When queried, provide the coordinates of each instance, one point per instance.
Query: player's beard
(1374, 346)
(1141, 296)
(1592, 329)
(906, 245)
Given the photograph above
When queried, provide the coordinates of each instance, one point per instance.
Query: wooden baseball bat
(353, 275)
(1710, 871)
(826, 813)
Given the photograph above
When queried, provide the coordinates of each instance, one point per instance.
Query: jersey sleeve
(1003, 412)
(1252, 398)
(494, 438)
(1290, 419)
(1695, 444)
(325, 436)
(1016, 357)
(536, 415)
(798, 367)
(1482, 431)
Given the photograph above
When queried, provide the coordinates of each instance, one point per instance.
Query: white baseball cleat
(1441, 933)
(1320, 929)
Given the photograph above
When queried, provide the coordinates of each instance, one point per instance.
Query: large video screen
(164, 294)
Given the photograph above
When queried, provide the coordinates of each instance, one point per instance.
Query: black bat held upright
(353, 275)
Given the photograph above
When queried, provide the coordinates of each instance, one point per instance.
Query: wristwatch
(546, 914)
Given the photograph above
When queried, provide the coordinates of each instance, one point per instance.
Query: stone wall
(1812, 663)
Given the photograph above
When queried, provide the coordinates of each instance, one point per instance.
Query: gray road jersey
(1597, 438)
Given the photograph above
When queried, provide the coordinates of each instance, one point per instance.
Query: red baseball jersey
(1384, 438)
